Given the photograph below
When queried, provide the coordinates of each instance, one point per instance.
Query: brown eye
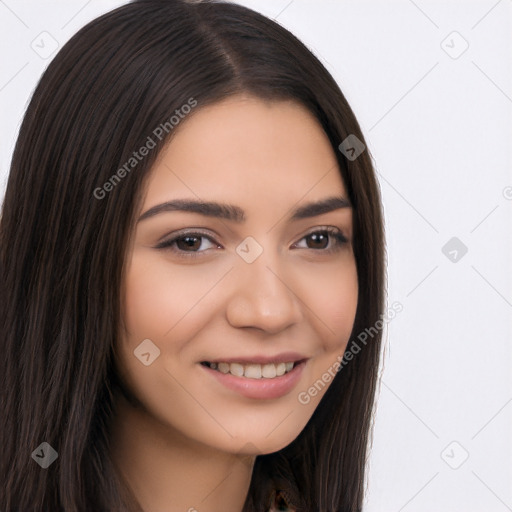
(319, 240)
(187, 244)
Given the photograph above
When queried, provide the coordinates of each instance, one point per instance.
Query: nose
(263, 298)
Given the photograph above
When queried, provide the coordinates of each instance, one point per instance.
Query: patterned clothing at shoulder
(280, 503)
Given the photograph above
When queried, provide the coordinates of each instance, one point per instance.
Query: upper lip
(284, 357)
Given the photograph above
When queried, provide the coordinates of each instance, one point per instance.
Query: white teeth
(254, 371)
(269, 371)
(280, 369)
(223, 367)
(236, 369)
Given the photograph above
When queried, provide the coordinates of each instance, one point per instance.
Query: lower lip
(260, 388)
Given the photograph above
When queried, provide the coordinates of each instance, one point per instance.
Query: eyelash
(339, 237)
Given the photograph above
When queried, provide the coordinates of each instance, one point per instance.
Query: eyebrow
(236, 214)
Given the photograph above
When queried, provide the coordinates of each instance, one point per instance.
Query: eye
(321, 237)
(190, 244)
(187, 244)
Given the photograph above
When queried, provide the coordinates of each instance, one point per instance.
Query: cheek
(168, 305)
(333, 304)
(158, 305)
(158, 296)
(331, 295)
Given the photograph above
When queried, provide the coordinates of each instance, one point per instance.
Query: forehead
(244, 149)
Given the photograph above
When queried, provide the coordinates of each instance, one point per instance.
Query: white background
(440, 132)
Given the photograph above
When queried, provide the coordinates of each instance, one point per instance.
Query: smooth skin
(192, 442)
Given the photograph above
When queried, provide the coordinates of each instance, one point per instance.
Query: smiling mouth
(254, 371)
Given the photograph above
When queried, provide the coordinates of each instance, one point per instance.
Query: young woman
(191, 236)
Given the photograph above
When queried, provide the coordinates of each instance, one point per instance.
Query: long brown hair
(62, 249)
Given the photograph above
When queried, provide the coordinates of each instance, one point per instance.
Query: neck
(168, 472)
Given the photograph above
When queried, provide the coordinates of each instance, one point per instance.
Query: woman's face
(242, 286)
